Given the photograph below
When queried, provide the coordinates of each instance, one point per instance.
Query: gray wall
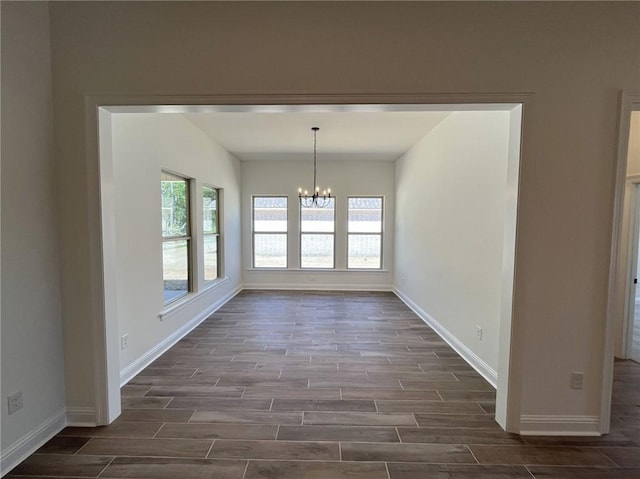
(143, 146)
(32, 345)
(345, 178)
(451, 192)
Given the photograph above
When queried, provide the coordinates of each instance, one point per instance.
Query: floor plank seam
(208, 454)
(246, 468)
(106, 467)
(386, 466)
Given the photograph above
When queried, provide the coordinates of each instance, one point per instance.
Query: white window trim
(381, 234)
(219, 273)
(254, 233)
(188, 238)
(179, 304)
(327, 270)
(302, 233)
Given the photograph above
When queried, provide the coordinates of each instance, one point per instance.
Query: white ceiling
(347, 131)
(343, 135)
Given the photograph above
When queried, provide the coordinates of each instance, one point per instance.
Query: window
(210, 232)
(317, 235)
(365, 233)
(269, 231)
(176, 237)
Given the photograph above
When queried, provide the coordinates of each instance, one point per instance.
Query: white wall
(143, 145)
(345, 178)
(449, 226)
(32, 345)
(325, 52)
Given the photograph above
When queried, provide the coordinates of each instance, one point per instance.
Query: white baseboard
(32, 441)
(539, 425)
(487, 372)
(154, 353)
(318, 287)
(81, 417)
(530, 425)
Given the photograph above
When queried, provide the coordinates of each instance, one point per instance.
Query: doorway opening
(505, 369)
(623, 272)
(632, 328)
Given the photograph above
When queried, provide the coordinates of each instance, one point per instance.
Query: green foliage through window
(175, 206)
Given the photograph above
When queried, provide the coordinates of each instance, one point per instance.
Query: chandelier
(315, 200)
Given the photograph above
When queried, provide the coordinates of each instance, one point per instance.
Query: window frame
(217, 234)
(284, 233)
(303, 233)
(188, 236)
(380, 234)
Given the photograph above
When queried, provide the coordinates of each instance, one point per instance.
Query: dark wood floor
(318, 385)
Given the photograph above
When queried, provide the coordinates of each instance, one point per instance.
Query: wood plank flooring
(325, 385)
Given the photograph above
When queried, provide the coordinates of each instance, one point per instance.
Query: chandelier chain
(315, 143)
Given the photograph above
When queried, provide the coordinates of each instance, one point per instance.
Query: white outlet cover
(14, 402)
(577, 380)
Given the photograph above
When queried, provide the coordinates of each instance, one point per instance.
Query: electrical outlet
(577, 380)
(479, 332)
(124, 341)
(14, 402)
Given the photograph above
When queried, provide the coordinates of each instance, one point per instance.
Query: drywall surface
(143, 146)
(449, 226)
(32, 345)
(321, 49)
(345, 178)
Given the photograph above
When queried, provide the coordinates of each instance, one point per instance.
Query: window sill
(318, 270)
(175, 307)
